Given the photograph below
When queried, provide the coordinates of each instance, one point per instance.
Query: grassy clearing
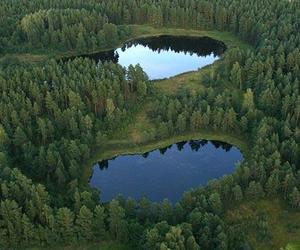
(23, 58)
(284, 225)
(139, 31)
(117, 147)
(129, 145)
(191, 80)
(93, 246)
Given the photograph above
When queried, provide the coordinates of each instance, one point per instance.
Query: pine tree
(84, 224)
(81, 43)
(110, 34)
(295, 199)
(65, 225)
(117, 224)
(236, 75)
(99, 222)
(215, 203)
(28, 232)
(237, 193)
(191, 244)
(248, 102)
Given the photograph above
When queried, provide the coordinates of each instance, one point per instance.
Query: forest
(55, 112)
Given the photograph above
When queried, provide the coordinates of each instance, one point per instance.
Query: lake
(165, 56)
(165, 173)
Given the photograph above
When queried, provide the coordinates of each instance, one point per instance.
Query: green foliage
(84, 224)
(295, 199)
(117, 223)
(52, 115)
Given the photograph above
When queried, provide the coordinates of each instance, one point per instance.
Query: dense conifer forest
(55, 113)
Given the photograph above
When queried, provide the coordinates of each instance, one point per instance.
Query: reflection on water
(164, 56)
(166, 172)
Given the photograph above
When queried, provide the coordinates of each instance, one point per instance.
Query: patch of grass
(34, 58)
(191, 80)
(92, 246)
(130, 146)
(291, 246)
(284, 224)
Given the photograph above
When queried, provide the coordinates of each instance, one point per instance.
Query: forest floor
(283, 224)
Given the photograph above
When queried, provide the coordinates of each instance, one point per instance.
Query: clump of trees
(63, 25)
(208, 109)
(51, 116)
(71, 29)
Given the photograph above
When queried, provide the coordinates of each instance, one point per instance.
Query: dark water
(165, 56)
(165, 173)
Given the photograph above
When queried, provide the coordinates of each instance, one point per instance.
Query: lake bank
(140, 31)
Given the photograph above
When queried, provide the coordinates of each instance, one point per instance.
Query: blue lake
(165, 173)
(165, 56)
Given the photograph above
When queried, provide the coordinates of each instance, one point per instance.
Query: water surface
(165, 56)
(165, 173)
